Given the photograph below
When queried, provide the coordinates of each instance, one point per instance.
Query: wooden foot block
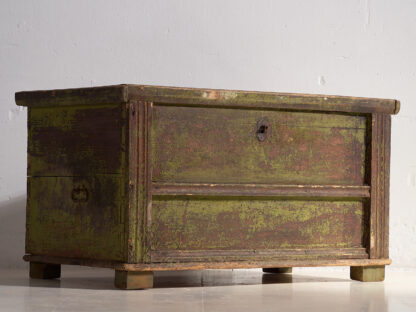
(44, 270)
(367, 273)
(133, 279)
(277, 270)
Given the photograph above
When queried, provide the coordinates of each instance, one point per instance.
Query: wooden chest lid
(123, 93)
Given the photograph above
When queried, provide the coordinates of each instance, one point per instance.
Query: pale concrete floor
(86, 289)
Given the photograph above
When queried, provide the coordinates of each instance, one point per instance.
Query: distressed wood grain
(224, 223)
(380, 184)
(71, 97)
(208, 145)
(206, 265)
(198, 189)
(206, 97)
(76, 217)
(146, 178)
(218, 255)
(76, 140)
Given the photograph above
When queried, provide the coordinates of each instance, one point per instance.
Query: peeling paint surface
(199, 224)
(362, 48)
(206, 145)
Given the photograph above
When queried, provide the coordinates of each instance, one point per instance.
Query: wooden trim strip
(239, 255)
(78, 96)
(148, 176)
(208, 97)
(143, 171)
(380, 179)
(132, 242)
(261, 100)
(203, 266)
(188, 189)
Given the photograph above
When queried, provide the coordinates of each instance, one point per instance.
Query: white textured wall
(358, 48)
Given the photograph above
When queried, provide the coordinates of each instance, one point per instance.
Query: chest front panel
(213, 145)
(232, 182)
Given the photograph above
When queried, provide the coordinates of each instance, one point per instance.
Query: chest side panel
(76, 182)
(212, 145)
(76, 217)
(76, 140)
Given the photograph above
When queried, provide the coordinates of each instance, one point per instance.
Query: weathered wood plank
(162, 256)
(251, 190)
(69, 97)
(143, 206)
(380, 179)
(76, 141)
(210, 145)
(80, 217)
(207, 265)
(206, 97)
(133, 239)
(247, 224)
(262, 100)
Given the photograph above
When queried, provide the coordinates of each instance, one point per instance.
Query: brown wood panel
(76, 140)
(380, 186)
(80, 217)
(184, 223)
(211, 145)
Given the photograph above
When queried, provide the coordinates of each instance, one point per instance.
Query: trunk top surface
(205, 97)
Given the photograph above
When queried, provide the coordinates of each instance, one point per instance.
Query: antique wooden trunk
(143, 178)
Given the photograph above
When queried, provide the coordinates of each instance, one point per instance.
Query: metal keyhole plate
(262, 129)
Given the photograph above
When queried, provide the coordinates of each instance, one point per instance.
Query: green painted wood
(147, 177)
(262, 100)
(70, 97)
(211, 145)
(207, 97)
(241, 224)
(76, 217)
(76, 141)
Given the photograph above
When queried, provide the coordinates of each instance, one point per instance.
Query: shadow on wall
(12, 232)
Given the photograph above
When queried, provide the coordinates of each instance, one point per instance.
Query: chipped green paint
(220, 146)
(90, 226)
(76, 141)
(234, 223)
(207, 97)
(87, 139)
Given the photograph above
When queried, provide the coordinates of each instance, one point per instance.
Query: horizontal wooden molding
(208, 97)
(238, 255)
(201, 265)
(190, 189)
(262, 100)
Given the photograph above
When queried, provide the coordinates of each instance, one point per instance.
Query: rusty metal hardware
(79, 194)
(262, 129)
